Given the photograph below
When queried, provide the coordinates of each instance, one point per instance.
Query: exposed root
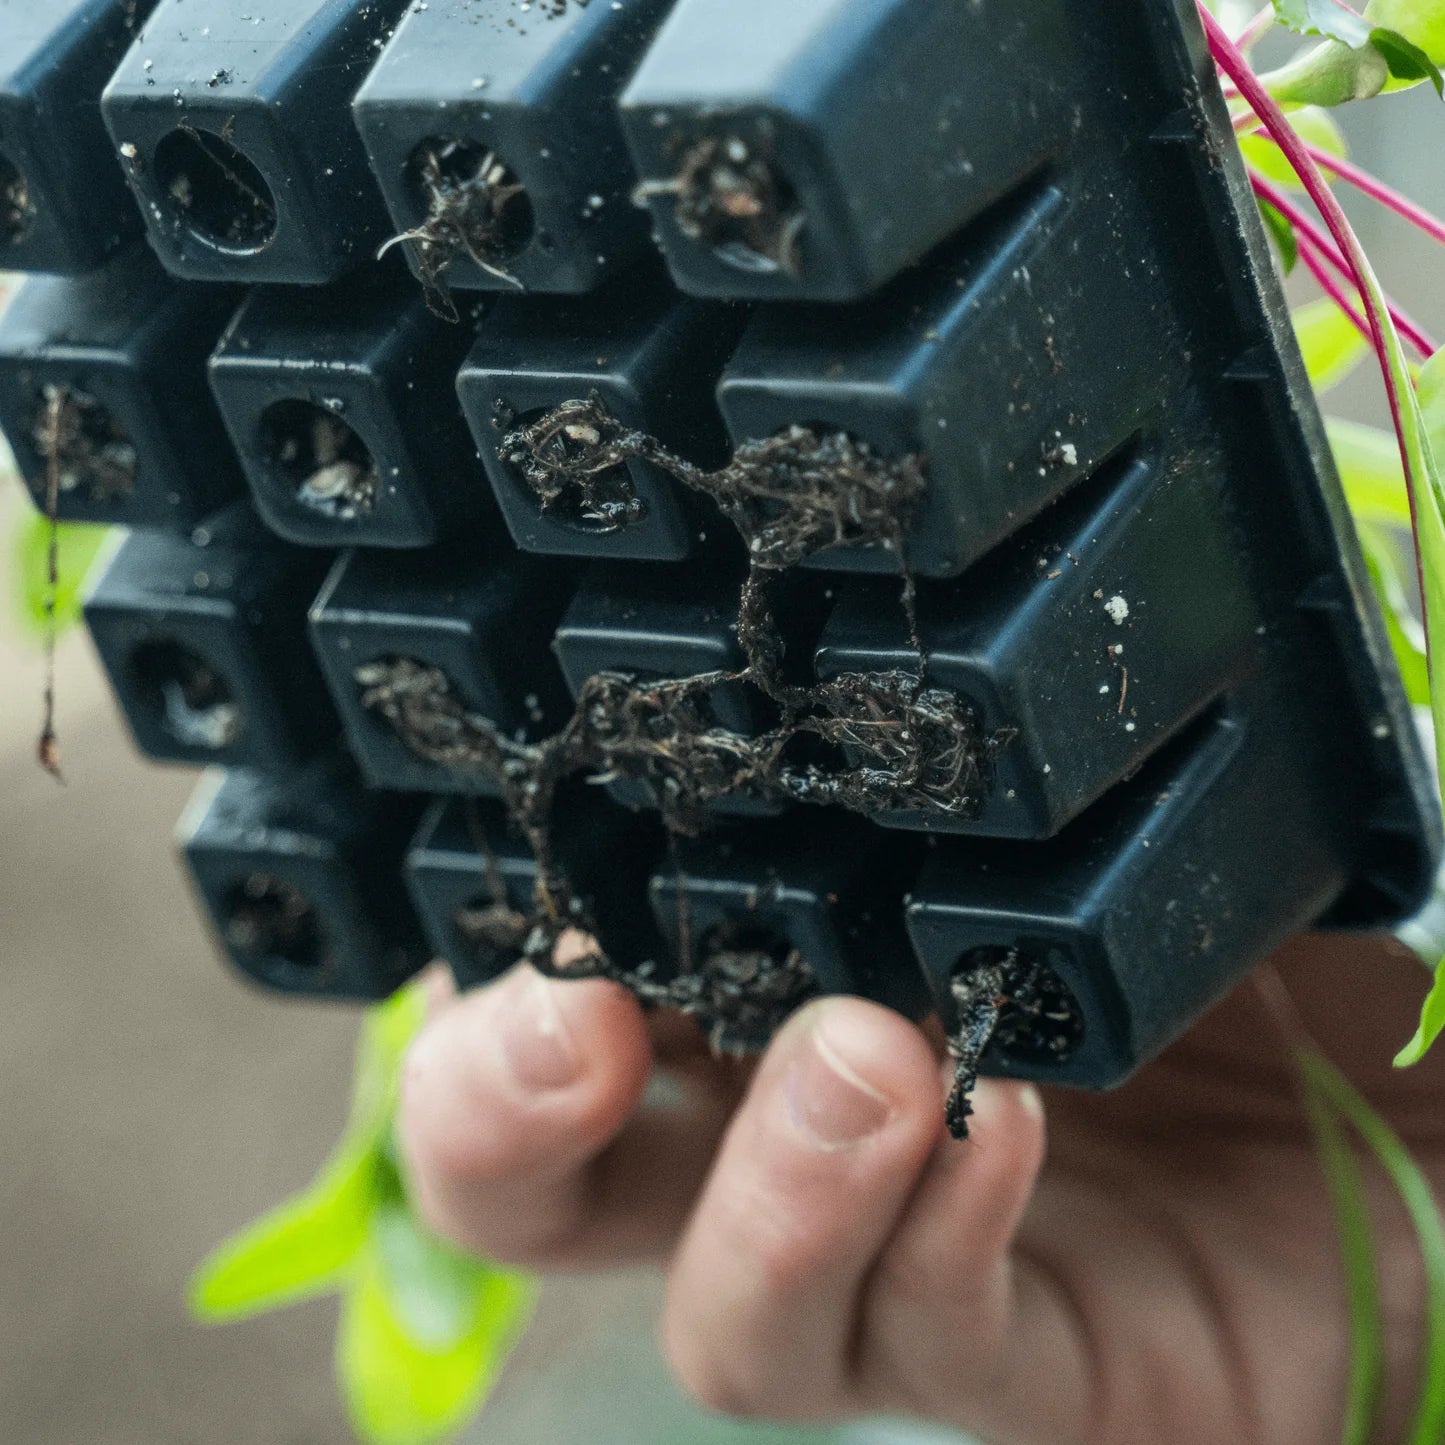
(564, 462)
(83, 444)
(47, 746)
(874, 742)
(727, 194)
(790, 496)
(1007, 1002)
(475, 208)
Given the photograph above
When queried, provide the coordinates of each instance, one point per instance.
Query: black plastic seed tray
(915, 570)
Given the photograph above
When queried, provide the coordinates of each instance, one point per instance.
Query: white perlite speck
(1118, 609)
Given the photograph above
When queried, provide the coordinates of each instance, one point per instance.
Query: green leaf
(1331, 344)
(1432, 1023)
(424, 1334)
(1421, 22)
(1331, 19)
(298, 1251)
(78, 547)
(1369, 464)
(1281, 233)
(387, 1031)
(1315, 126)
(1350, 1203)
(1407, 62)
(1413, 1189)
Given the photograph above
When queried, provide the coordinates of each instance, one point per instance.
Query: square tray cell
(300, 877)
(100, 379)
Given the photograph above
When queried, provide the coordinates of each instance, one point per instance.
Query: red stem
(1227, 57)
(1377, 190)
(1409, 329)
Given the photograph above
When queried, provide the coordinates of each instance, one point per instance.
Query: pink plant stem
(1227, 56)
(1308, 230)
(1377, 190)
(1310, 255)
(1257, 28)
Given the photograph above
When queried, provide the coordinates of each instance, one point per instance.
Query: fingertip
(880, 1050)
(526, 1070)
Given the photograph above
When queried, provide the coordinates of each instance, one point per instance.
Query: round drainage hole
(215, 190)
(267, 918)
(472, 205)
(186, 695)
(320, 457)
(728, 194)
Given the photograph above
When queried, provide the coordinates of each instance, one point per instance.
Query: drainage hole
(728, 194)
(558, 465)
(320, 457)
(186, 695)
(216, 190)
(472, 205)
(266, 918)
(1040, 1021)
(91, 452)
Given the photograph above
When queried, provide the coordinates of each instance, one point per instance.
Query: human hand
(1168, 1273)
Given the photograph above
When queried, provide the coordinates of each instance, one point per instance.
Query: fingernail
(535, 1041)
(831, 1103)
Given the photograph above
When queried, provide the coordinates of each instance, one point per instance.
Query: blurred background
(150, 1103)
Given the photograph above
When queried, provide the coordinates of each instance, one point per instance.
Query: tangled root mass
(888, 741)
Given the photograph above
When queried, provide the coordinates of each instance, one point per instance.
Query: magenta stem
(1310, 231)
(1377, 190)
(1227, 56)
(1257, 28)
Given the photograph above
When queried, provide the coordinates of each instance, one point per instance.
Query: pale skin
(1158, 1264)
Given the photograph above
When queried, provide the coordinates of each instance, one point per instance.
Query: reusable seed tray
(818, 498)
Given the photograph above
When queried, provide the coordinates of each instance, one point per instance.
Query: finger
(941, 1308)
(514, 1103)
(439, 989)
(810, 1181)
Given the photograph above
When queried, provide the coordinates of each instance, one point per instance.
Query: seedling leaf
(297, 1251)
(1332, 348)
(1357, 1255)
(1282, 234)
(1415, 1193)
(414, 1374)
(1432, 1023)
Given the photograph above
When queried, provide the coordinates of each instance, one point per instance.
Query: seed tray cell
(63, 202)
(234, 130)
(474, 881)
(338, 403)
(102, 392)
(203, 639)
(494, 135)
(385, 625)
(300, 878)
(650, 360)
(812, 151)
